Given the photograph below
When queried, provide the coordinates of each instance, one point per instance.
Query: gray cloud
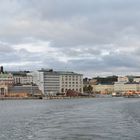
(5, 48)
(99, 36)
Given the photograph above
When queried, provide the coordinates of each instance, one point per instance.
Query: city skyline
(89, 37)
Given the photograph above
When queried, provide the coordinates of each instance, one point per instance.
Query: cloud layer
(91, 37)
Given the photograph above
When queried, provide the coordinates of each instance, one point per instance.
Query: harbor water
(70, 119)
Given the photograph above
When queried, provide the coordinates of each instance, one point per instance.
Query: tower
(1, 69)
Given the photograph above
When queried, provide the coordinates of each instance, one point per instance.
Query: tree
(85, 88)
(88, 88)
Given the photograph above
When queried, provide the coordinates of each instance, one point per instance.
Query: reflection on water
(74, 119)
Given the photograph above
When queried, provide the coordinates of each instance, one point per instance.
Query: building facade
(124, 85)
(136, 79)
(103, 88)
(70, 81)
(47, 81)
(123, 79)
(57, 82)
(3, 90)
(6, 79)
(22, 78)
(119, 87)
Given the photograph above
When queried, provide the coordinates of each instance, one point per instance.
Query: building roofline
(50, 71)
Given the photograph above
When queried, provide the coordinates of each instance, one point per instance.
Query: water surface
(72, 119)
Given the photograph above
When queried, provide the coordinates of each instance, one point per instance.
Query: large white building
(123, 84)
(103, 88)
(52, 82)
(72, 81)
(23, 80)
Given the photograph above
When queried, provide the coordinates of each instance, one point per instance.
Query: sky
(92, 37)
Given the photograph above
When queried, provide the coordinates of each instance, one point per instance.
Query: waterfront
(70, 119)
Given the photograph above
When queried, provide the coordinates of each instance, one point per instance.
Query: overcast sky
(93, 37)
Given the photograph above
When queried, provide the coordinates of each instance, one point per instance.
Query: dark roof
(50, 71)
(27, 89)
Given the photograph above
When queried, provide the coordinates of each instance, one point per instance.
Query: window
(62, 90)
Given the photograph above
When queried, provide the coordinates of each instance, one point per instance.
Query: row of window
(71, 82)
(53, 89)
(71, 85)
(71, 76)
(51, 80)
(65, 90)
(51, 86)
(70, 79)
(51, 77)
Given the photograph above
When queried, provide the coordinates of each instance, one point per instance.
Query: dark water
(74, 119)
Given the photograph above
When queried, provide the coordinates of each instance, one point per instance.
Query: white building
(22, 78)
(123, 84)
(136, 79)
(103, 88)
(131, 87)
(47, 81)
(72, 81)
(123, 79)
(52, 82)
(124, 87)
(119, 85)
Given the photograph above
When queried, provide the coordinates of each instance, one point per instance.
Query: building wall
(53, 82)
(6, 79)
(132, 87)
(103, 88)
(123, 79)
(38, 79)
(123, 87)
(20, 90)
(23, 79)
(119, 87)
(71, 82)
(48, 82)
(3, 90)
(136, 80)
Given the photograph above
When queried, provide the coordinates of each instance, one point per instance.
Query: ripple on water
(77, 119)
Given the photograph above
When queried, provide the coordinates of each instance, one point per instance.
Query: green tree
(90, 88)
(87, 88)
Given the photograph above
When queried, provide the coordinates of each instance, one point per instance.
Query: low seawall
(65, 97)
(19, 98)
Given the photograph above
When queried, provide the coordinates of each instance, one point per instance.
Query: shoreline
(66, 97)
(45, 98)
(20, 98)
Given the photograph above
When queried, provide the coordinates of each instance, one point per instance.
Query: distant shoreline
(20, 98)
(45, 98)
